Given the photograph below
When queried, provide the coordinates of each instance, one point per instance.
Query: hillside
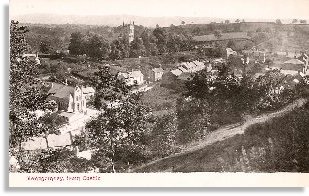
(261, 144)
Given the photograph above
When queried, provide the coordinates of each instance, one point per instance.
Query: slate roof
(61, 91)
(176, 72)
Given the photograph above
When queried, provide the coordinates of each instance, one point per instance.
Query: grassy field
(160, 99)
(271, 146)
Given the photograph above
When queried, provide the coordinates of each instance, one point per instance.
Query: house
(69, 99)
(230, 51)
(293, 67)
(133, 77)
(305, 58)
(88, 92)
(155, 74)
(34, 57)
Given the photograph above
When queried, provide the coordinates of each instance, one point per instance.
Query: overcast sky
(264, 9)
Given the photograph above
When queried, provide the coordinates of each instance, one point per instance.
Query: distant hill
(116, 20)
(113, 20)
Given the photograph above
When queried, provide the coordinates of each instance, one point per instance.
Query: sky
(264, 9)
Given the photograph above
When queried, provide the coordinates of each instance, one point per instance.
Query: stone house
(69, 99)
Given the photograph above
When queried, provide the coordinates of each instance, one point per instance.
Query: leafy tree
(26, 94)
(76, 45)
(161, 39)
(303, 21)
(183, 22)
(45, 47)
(137, 48)
(227, 22)
(217, 34)
(54, 161)
(278, 21)
(97, 47)
(118, 132)
(163, 135)
(119, 49)
(108, 87)
(237, 21)
(196, 31)
(294, 21)
(231, 44)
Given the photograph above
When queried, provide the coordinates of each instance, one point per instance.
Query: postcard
(164, 93)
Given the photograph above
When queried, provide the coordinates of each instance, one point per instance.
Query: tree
(237, 21)
(117, 132)
(26, 92)
(231, 44)
(217, 34)
(227, 22)
(163, 135)
(294, 21)
(97, 47)
(108, 87)
(45, 47)
(183, 22)
(161, 39)
(196, 31)
(137, 48)
(76, 45)
(303, 21)
(278, 21)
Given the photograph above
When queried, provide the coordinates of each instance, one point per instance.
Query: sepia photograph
(103, 90)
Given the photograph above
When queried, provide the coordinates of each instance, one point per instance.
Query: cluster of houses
(176, 77)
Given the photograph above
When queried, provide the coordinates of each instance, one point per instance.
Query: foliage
(53, 121)
(108, 87)
(76, 46)
(45, 47)
(120, 130)
(163, 136)
(26, 94)
(54, 161)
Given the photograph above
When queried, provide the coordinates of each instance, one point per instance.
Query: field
(161, 100)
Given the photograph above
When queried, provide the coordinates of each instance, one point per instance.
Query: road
(215, 136)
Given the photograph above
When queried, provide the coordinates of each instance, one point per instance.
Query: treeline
(149, 43)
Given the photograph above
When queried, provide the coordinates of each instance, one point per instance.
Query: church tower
(131, 32)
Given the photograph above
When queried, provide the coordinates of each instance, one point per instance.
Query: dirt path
(227, 132)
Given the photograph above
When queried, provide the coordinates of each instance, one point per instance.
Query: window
(78, 107)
